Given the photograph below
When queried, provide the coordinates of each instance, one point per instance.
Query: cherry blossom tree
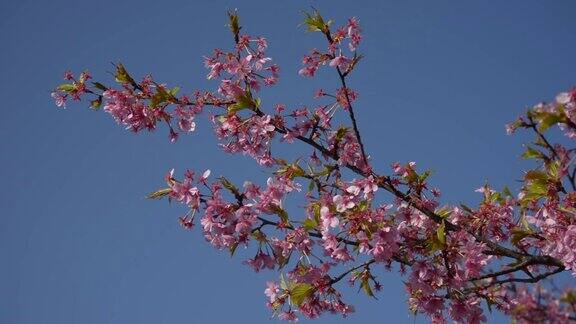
(456, 261)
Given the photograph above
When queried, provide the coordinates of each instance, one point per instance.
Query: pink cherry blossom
(59, 99)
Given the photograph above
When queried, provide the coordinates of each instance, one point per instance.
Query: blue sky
(79, 242)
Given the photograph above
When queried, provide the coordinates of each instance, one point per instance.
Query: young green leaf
(314, 22)
(159, 193)
(122, 75)
(310, 224)
(67, 87)
(532, 153)
(96, 103)
(441, 233)
(299, 292)
(233, 22)
(283, 283)
(366, 287)
(548, 120)
(233, 248)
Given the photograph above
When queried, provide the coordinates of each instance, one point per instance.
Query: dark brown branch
(341, 276)
(518, 267)
(529, 280)
(513, 280)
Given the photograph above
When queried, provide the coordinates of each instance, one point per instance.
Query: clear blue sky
(80, 244)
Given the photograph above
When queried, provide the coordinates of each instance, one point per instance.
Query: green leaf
(518, 234)
(326, 171)
(315, 22)
(310, 224)
(569, 297)
(67, 87)
(363, 205)
(174, 91)
(553, 169)
(540, 142)
(96, 103)
(441, 234)
(411, 175)
(243, 102)
(438, 242)
(366, 287)
(467, 209)
(122, 75)
(506, 191)
(444, 212)
(538, 188)
(534, 191)
(233, 248)
(311, 185)
(160, 97)
(548, 120)
(293, 170)
(299, 292)
(281, 213)
(222, 118)
(233, 22)
(283, 284)
(497, 197)
(316, 209)
(100, 86)
(535, 175)
(230, 186)
(424, 175)
(258, 236)
(297, 170)
(531, 153)
(159, 193)
(341, 133)
(282, 261)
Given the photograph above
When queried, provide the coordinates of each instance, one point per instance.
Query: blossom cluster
(561, 112)
(74, 89)
(452, 258)
(136, 105)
